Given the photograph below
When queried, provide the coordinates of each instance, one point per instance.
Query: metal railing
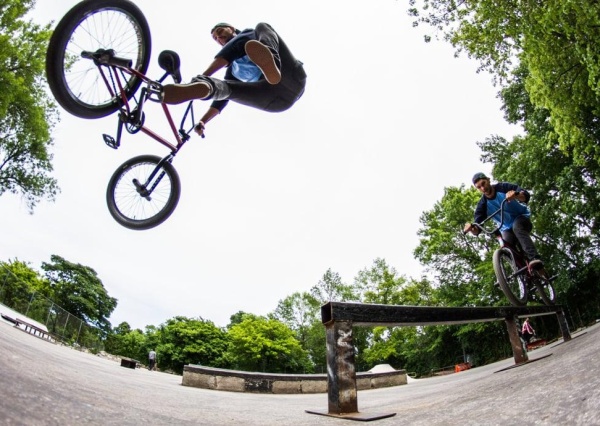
(61, 324)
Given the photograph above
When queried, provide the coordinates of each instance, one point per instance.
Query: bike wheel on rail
(545, 289)
(512, 285)
(138, 202)
(90, 25)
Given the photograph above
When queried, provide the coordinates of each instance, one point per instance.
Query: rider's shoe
(262, 56)
(178, 93)
(535, 264)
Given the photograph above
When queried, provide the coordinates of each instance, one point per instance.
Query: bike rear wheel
(512, 285)
(75, 82)
(545, 290)
(137, 201)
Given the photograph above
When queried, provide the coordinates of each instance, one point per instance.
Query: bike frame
(117, 67)
(517, 253)
(133, 118)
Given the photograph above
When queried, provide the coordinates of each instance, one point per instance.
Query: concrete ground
(46, 384)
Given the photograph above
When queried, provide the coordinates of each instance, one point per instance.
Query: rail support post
(341, 373)
(519, 352)
(564, 326)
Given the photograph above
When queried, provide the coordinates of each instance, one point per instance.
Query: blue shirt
(245, 70)
(240, 67)
(512, 209)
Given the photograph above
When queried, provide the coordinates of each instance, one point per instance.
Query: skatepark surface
(42, 383)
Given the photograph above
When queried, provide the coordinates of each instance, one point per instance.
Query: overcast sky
(269, 202)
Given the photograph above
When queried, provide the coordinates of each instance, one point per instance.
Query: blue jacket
(512, 209)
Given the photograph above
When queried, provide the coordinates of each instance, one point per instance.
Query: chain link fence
(61, 324)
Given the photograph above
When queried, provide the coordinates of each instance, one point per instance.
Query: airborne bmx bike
(96, 62)
(517, 280)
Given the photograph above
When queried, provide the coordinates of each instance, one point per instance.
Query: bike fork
(143, 189)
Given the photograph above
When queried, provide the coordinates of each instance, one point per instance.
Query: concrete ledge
(244, 381)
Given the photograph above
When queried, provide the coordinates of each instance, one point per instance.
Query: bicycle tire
(515, 288)
(130, 208)
(546, 291)
(91, 25)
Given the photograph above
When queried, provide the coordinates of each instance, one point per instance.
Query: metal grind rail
(340, 317)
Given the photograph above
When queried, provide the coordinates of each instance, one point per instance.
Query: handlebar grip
(107, 57)
(120, 62)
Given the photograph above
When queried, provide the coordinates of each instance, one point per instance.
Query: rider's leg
(259, 94)
(178, 93)
(269, 97)
(510, 237)
(522, 227)
(264, 52)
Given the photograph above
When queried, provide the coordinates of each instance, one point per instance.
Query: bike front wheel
(76, 82)
(513, 285)
(143, 192)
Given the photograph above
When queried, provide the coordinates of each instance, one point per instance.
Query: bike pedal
(110, 141)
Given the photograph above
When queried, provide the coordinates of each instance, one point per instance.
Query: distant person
(261, 73)
(527, 332)
(151, 360)
(516, 225)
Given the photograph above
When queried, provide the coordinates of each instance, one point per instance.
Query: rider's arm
(478, 216)
(217, 106)
(523, 196)
(519, 193)
(469, 227)
(209, 115)
(216, 65)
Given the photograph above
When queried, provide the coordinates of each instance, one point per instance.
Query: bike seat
(169, 61)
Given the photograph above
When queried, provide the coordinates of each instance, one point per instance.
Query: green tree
(556, 40)
(298, 312)
(124, 341)
(236, 318)
(302, 314)
(181, 341)
(267, 345)
(461, 264)
(27, 115)
(332, 288)
(464, 275)
(18, 282)
(78, 290)
(379, 283)
(565, 201)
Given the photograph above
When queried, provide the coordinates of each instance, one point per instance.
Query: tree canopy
(77, 289)
(555, 40)
(27, 114)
